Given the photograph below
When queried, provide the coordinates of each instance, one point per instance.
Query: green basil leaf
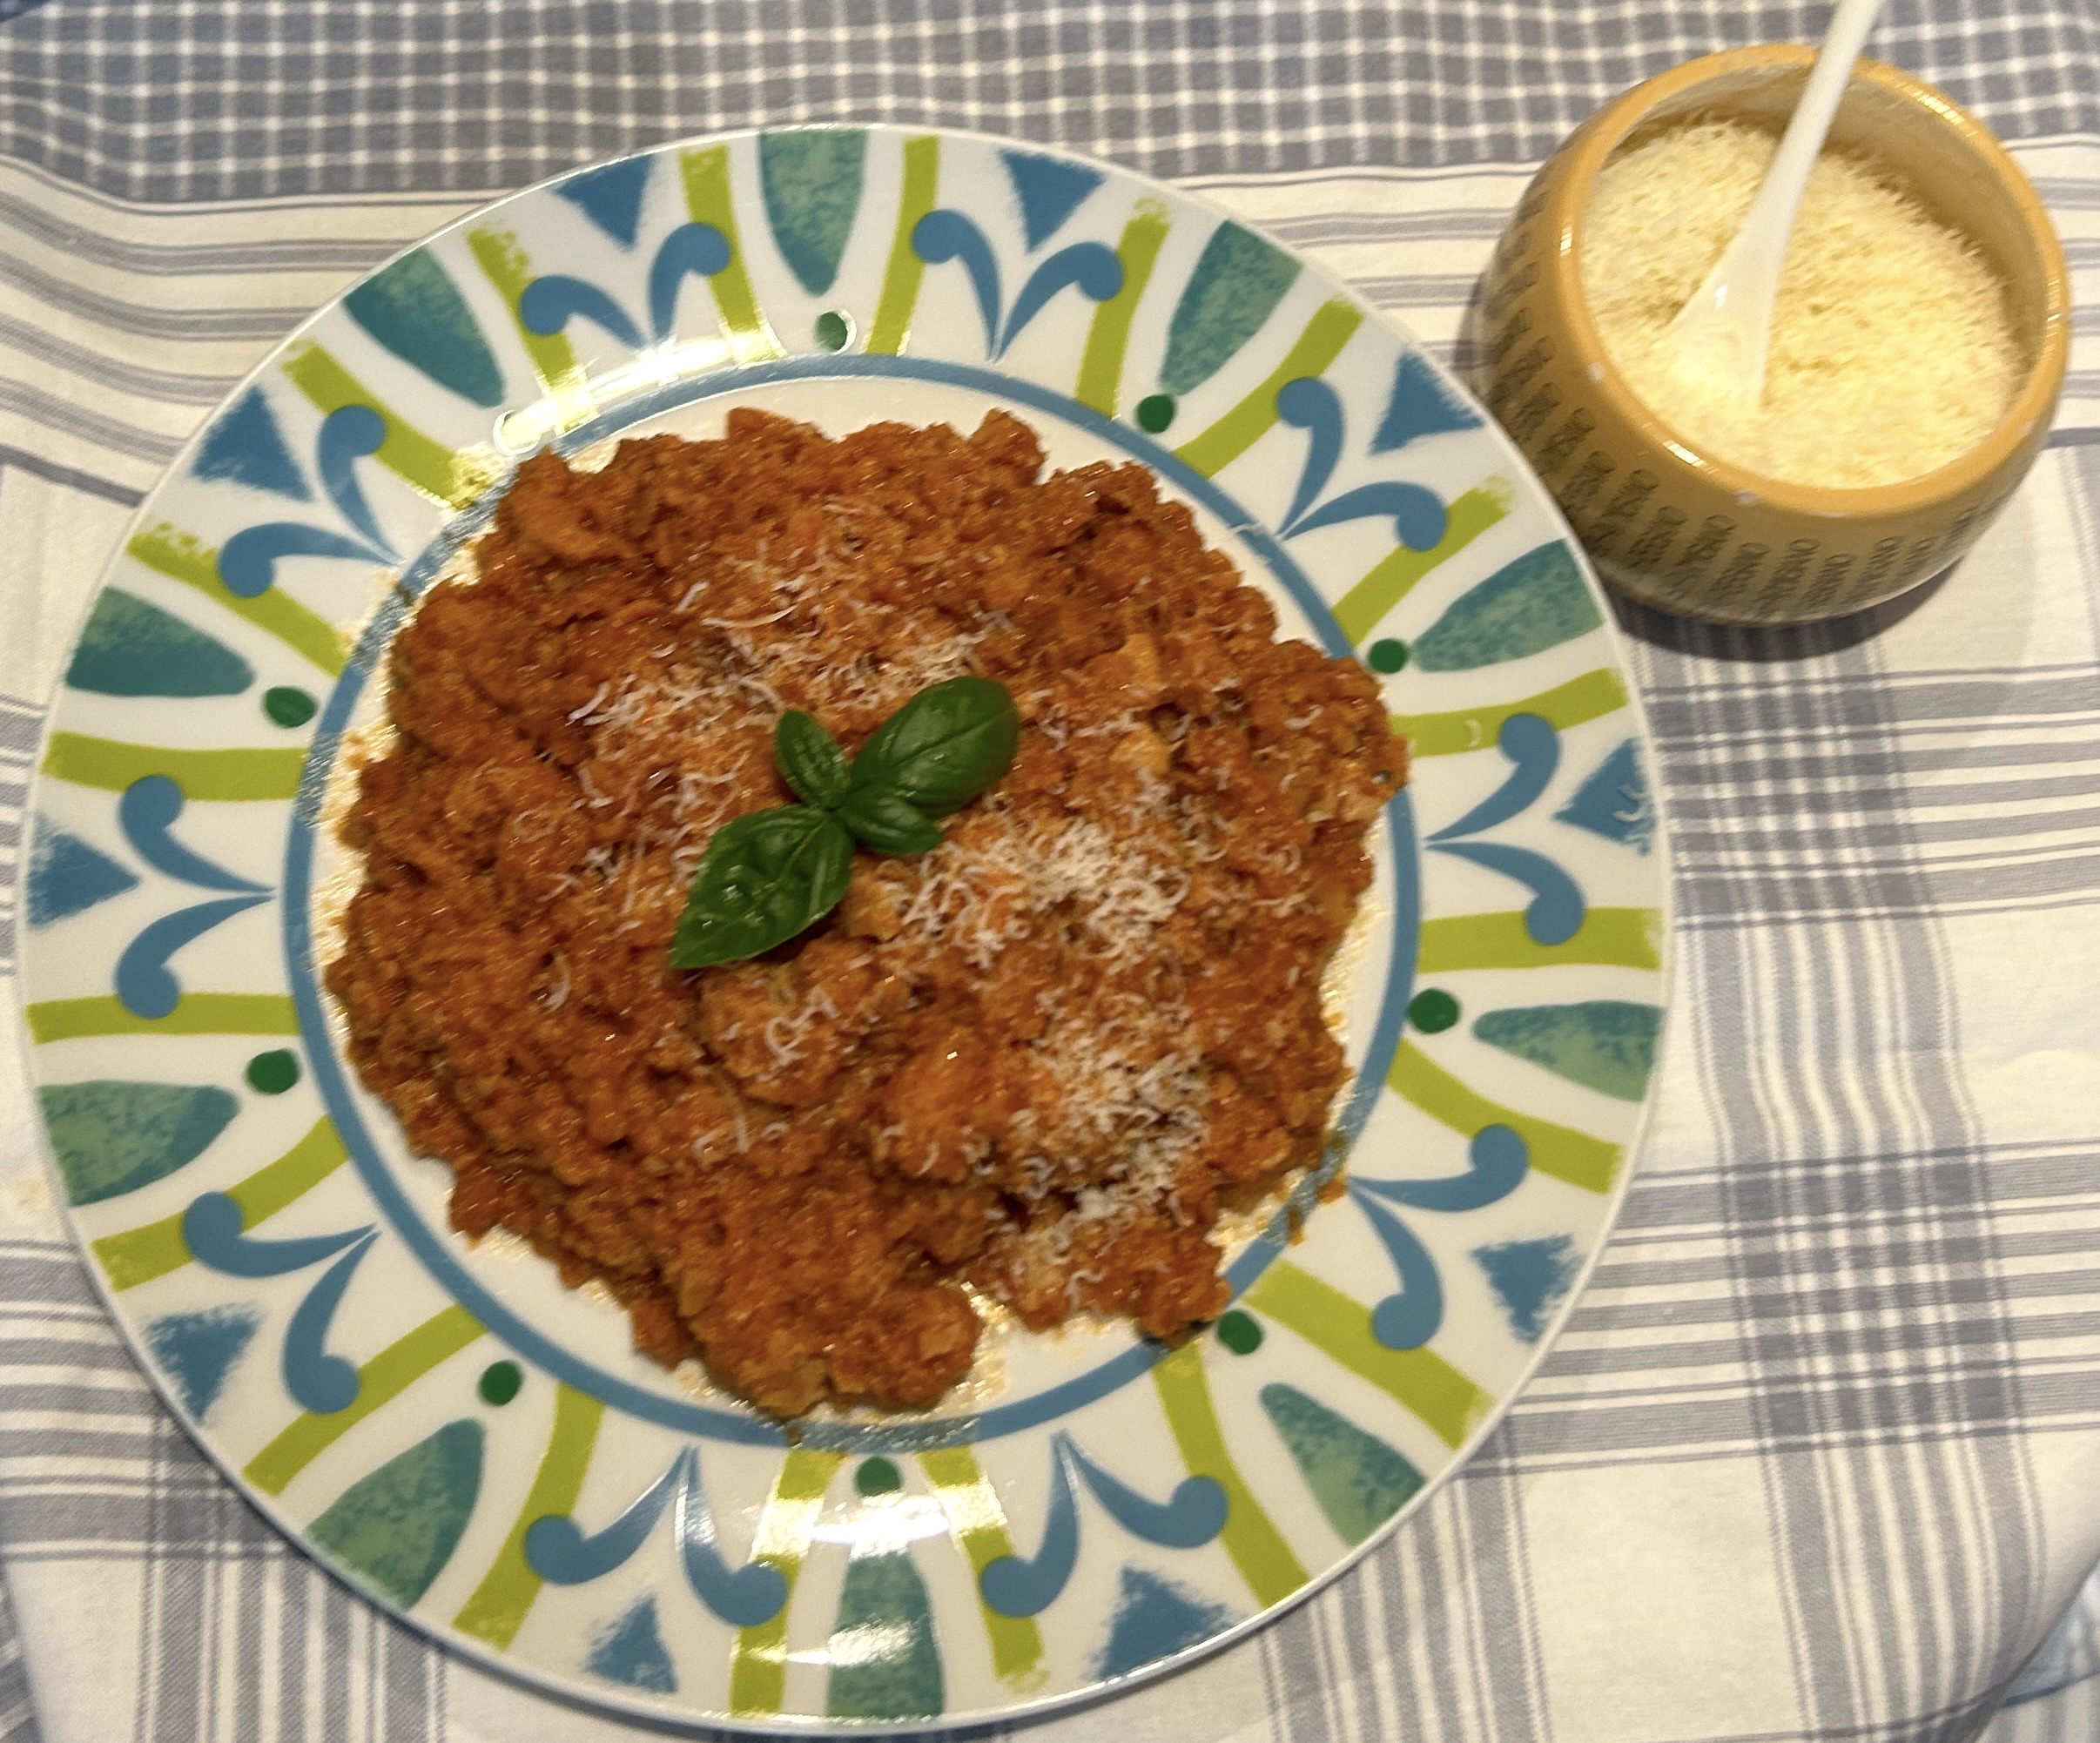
(766, 876)
(944, 747)
(811, 759)
(887, 822)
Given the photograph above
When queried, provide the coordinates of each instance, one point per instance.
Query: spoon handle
(1739, 292)
(1781, 195)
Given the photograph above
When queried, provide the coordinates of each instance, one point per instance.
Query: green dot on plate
(499, 1382)
(288, 706)
(1155, 412)
(1240, 1333)
(273, 1072)
(1386, 655)
(834, 330)
(877, 1477)
(1432, 1010)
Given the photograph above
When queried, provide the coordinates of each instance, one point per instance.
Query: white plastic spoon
(1723, 334)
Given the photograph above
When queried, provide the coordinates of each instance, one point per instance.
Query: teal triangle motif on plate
(632, 1651)
(1155, 1618)
(1049, 189)
(1607, 1045)
(611, 198)
(885, 1662)
(1614, 802)
(812, 179)
(399, 1526)
(112, 1137)
(1419, 406)
(1358, 1480)
(1537, 600)
(66, 875)
(1235, 287)
(198, 1351)
(130, 647)
(1529, 1278)
(417, 313)
(245, 446)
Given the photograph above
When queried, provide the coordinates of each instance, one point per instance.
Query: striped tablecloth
(1820, 1455)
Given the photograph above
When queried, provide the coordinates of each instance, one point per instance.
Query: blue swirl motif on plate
(1191, 1517)
(1497, 1159)
(558, 1548)
(1310, 403)
(1533, 747)
(1091, 268)
(550, 302)
(213, 1227)
(147, 811)
(247, 562)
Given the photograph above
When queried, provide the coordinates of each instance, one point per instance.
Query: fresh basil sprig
(770, 874)
(944, 747)
(811, 759)
(767, 875)
(887, 822)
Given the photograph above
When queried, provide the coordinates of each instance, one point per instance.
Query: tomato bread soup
(1032, 1065)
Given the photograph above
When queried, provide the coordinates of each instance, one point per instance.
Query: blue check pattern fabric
(1817, 1457)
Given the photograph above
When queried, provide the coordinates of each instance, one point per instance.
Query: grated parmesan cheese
(1891, 352)
(1041, 1067)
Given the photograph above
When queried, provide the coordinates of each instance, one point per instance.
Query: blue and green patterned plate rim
(476, 1448)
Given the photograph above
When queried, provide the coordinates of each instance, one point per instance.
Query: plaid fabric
(18, 1706)
(1814, 1458)
(237, 99)
(143, 1571)
(2057, 1697)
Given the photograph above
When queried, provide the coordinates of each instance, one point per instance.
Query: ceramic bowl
(1678, 528)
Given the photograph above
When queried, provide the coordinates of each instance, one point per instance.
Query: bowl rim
(2027, 415)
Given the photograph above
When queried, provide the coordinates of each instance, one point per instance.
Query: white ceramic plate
(480, 1450)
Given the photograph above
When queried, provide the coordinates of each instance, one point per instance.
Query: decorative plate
(480, 1450)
